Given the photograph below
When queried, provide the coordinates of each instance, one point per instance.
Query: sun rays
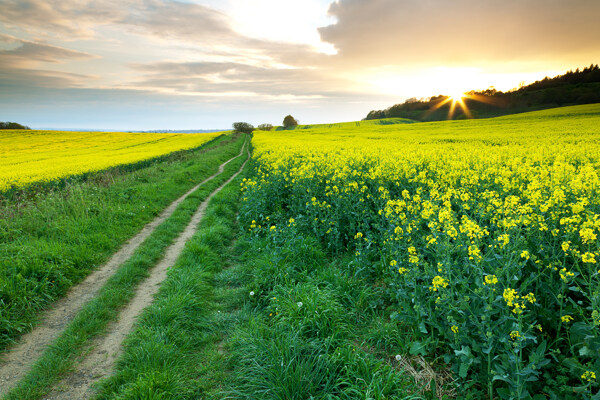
(458, 99)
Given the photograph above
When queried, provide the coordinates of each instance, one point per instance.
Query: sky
(193, 64)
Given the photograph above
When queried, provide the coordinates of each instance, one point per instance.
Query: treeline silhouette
(12, 125)
(574, 87)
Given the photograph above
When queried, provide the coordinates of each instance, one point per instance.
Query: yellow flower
(525, 254)
(393, 263)
(587, 235)
(454, 329)
(437, 283)
(402, 270)
(412, 255)
(565, 275)
(530, 298)
(273, 228)
(510, 295)
(490, 280)
(588, 376)
(565, 246)
(588, 258)
(566, 319)
(358, 235)
(514, 335)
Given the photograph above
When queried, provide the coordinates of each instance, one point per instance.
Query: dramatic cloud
(270, 56)
(462, 32)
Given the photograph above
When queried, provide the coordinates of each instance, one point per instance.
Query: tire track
(99, 362)
(18, 360)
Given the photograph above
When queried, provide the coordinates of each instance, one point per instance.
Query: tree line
(12, 125)
(244, 127)
(581, 86)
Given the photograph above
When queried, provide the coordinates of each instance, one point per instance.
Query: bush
(265, 127)
(243, 127)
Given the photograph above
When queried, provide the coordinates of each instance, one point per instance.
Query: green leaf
(418, 348)
(462, 372)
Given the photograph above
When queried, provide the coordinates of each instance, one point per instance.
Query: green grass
(95, 316)
(310, 324)
(174, 351)
(50, 241)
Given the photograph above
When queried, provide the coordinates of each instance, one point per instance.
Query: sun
(457, 96)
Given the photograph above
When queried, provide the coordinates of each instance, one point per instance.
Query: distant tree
(243, 127)
(265, 127)
(289, 121)
(12, 125)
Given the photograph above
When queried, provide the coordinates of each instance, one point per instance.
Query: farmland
(478, 240)
(41, 156)
(369, 259)
(53, 240)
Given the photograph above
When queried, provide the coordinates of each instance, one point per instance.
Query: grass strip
(52, 241)
(120, 288)
(173, 353)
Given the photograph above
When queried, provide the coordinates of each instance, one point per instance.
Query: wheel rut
(18, 359)
(99, 362)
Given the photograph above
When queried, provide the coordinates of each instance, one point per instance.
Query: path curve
(18, 359)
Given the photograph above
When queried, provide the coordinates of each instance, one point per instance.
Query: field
(479, 236)
(376, 259)
(53, 240)
(42, 156)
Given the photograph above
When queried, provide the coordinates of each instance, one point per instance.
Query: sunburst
(458, 99)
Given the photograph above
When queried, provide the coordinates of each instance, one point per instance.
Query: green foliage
(265, 127)
(289, 122)
(243, 127)
(12, 125)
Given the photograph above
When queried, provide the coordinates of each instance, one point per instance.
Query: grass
(95, 316)
(309, 333)
(51, 240)
(174, 349)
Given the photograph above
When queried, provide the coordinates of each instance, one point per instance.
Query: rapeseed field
(481, 235)
(43, 156)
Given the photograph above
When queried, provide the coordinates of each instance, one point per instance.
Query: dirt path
(17, 361)
(99, 362)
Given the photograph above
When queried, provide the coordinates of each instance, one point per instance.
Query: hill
(572, 88)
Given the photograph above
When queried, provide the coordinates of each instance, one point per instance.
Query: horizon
(139, 65)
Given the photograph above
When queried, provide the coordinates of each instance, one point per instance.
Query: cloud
(441, 32)
(20, 62)
(68, 19)
(230, 77)
(21, 53)
(17, 80)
